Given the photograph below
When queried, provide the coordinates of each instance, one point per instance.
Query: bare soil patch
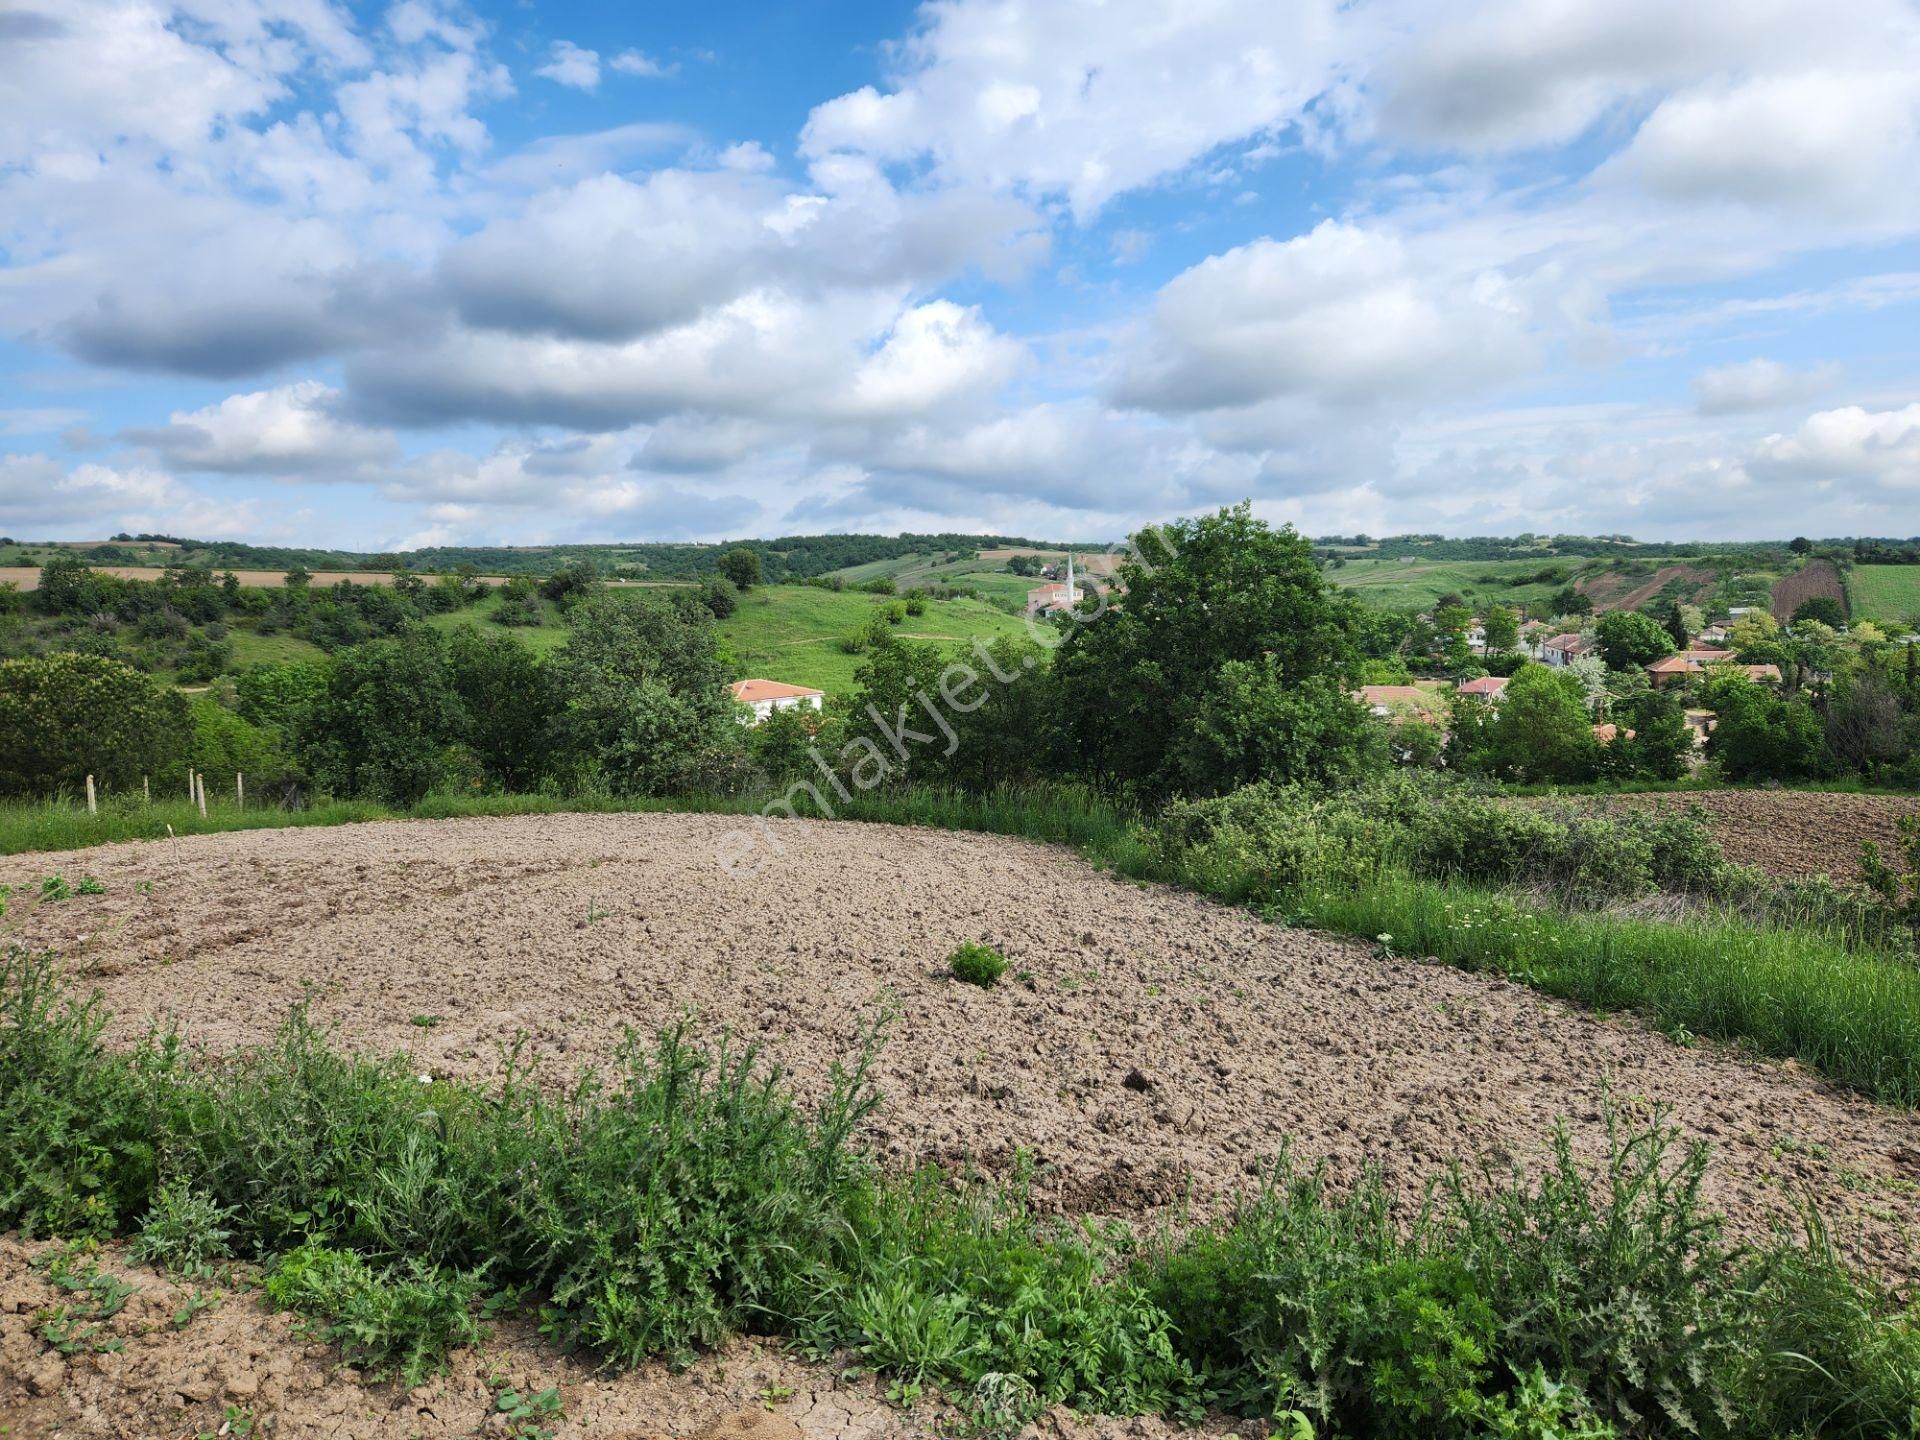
(1793, 833)
(1611, 591)
(176, 1379)
(1144, 1040)
(1816, 577)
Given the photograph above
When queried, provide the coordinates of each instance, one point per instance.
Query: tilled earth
(1793, 833)
(1145, 1040)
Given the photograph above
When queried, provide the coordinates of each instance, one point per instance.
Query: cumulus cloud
(41, 496)
(1047, 99)
(1342, 314)
(571, 65)
(1852, 443)
(291, 430)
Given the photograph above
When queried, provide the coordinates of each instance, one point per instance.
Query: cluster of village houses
(1559, 649)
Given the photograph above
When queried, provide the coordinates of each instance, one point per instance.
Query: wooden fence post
(240, 789)
(203, 796)
(91, 808)
(146, 789)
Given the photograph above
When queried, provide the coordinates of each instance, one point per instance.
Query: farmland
(1132, 1027)
(1886, 592)
(1415, 584)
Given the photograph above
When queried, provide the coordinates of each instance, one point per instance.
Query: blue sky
(387, 275)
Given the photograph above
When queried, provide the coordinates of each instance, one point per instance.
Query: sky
(385, 276)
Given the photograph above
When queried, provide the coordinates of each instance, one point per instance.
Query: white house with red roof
(763, 697)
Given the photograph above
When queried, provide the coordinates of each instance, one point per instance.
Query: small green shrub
(980, 965)
(184, 1230)
(401, 1324)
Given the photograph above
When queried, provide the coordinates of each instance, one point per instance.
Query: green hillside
(1886, 592)
(793, 632)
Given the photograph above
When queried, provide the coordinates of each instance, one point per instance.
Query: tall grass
(683, 1195)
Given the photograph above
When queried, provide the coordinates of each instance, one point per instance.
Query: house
(1562, 650)
(1046, 600)
(1714, 635)
(766, 696)
(1757, 673)
(1477, 635)
(1686, 663)
(1399, 702)
(1488, 687)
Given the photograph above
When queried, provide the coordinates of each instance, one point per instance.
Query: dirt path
(1151, 1038)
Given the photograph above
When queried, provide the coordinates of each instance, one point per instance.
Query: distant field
(793, 632)
(27, 577)
(549, 635)
(1886, 592)
(1416, 584)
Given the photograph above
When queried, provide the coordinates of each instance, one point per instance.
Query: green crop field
(1886, 592)
(1416, 584)
(793, 632)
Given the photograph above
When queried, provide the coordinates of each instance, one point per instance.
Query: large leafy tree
(65, 717)
(1629, 639)
(509, 701)
(741, 566)
(1759, 735)
(385, 726)
(645, 695)
(1544, 732)
(1215, 610)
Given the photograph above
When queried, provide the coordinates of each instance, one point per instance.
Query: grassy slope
(793, 632)
(547, 636)
(1888, 592)
(1416, 584)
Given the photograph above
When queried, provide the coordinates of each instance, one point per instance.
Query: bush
(399, 1324)
(183, 1231)
(980, 965)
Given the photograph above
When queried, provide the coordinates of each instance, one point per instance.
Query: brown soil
(1816, 577)
(1791, 832)
(173, 1379)
(1612, 591)
(1144, 1039)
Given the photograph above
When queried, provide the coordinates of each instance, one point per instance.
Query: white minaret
(1073, 595)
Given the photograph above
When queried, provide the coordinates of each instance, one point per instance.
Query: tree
(1864, 723)
(1800, 545)
(1201, 595)
(1503, 629)
(1630, 640)
(65, 717)
(1450, 625)
(1675, 624)
(1544, 732)
(571, 583)
(644, 697)
(719, 596)
(1752, 635)
(1652, 738)
(1758, 735)
(298, 578)
(741, 566)
(509, 703)
(1569, 601)
(383, 728)
(1823, 608)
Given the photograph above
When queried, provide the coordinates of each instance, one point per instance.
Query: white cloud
(570, 65)
(1853, 444)
(1758, 384)
(638, 62)
(1084, 101)
(39, 496)
(1342, 315)
(291, 430)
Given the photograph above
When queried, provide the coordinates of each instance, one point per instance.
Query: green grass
(1885, 592)
(252, 648)
(1417, 584)
(682, 1196)
(542, 639)
(792, 633)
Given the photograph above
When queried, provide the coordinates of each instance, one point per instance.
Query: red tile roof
(1488, 685)
(747, 692)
